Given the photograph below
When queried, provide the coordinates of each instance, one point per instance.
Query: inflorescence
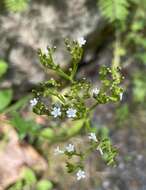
(73, 102)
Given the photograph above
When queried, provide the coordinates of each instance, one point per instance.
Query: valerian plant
(77, 102)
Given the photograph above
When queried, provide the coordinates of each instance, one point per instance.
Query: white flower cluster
(56, 112)
(80, 174)
(92, 136)
(33, 102)
(71, 113)
(95, 91)
(58, 151)
(69, 148)
(81, 41)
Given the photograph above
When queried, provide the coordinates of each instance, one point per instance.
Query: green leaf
(109, 152)
(63, 133)
(17, 186)
(16, 5)
(114, 10)
(70, 167)
(77, 125)
(5, 98)
(24, 127)
(44, 185)
(47, 133)
(103, 132)
(3, 67)
(137, 26)
(29, 176)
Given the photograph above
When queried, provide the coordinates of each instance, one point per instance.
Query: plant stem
(74, 70)
(61, 73)
(116, 55)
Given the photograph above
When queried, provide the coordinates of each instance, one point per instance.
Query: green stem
(74, 70)
(60, 97)
(116, 56)
(66, 134)
(87, 124)
(61, 73)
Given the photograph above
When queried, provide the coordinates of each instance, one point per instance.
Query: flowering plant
(77, 102)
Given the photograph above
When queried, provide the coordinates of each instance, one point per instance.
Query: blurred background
(27, 161)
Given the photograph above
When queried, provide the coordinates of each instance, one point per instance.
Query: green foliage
(25, 127)
(5, 94)
(47, 134)
(3, 67)
(5, 98)
(122, 114)
(62, 133)
(103, 132)
(136, 36)
(17, 186)
(79, 91)
(16, 5)
(139, 88)
(129, 23)
(109, 153)
(114, 10)
(29, 176)
(139, 3)
(44, 185)
(29, 181)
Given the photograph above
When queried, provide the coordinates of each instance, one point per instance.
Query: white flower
(33, 102)
(100, 150)
(92, 136)
(95, 91)
(71, 112)
(121, 96)
(80, 174)
(45, 50)
(58, 151)
(70, 148)
(56, 112)
(81, 41)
